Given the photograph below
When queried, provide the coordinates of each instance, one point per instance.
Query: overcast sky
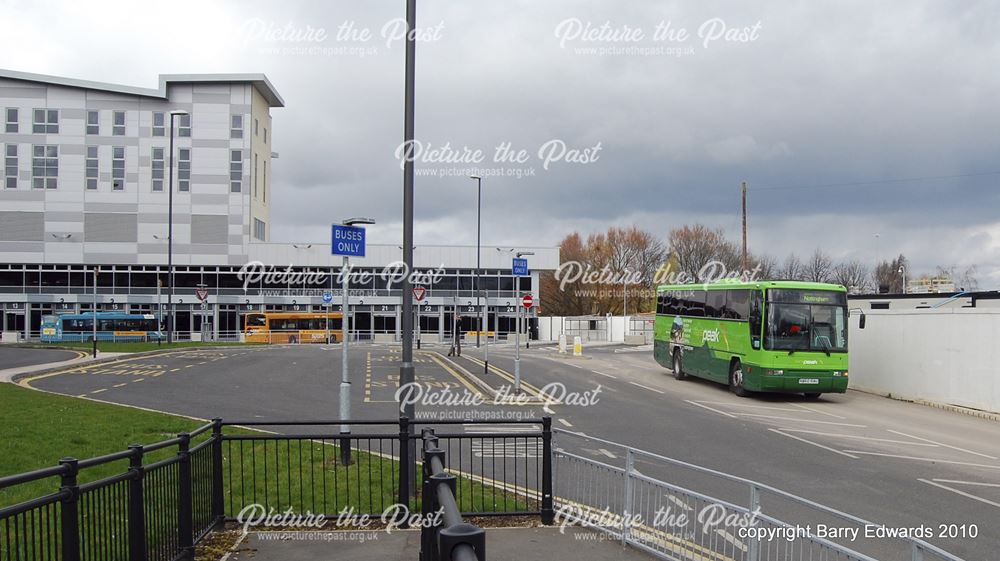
(846, 118)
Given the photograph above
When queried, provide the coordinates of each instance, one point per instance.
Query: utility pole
(743, 192)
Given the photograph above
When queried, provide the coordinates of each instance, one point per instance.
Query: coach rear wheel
(678, 365)
(736, 379)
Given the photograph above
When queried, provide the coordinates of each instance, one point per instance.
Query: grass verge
(37, 429)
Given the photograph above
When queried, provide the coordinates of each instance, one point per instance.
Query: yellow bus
(292, 327)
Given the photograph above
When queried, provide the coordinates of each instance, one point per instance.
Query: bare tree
(853, 275)
(696, 246)
(620, 259)
(766, 265)
(964, 279)
(819, 267)
(887, 276)
(791, 269)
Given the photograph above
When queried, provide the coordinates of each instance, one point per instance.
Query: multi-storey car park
(86, 186)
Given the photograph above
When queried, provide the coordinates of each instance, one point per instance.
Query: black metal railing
(157, 501)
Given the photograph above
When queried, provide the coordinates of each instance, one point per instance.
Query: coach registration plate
(808, 380)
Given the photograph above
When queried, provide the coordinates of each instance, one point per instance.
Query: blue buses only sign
(348, 240)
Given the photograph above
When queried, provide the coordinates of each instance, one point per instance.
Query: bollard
(562, 344)
(577, 346)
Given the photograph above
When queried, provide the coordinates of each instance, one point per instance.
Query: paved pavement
(502, 544)
(893, 462)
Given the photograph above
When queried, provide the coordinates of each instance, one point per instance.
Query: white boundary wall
(946, 356)
(551, 327)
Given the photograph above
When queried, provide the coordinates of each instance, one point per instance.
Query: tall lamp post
(902, 271)
(345, 331)
(170, 230)
(479, 231)
(406, 370)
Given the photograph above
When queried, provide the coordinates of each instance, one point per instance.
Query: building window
(259, 229)
(255, 176)
(118, 127)
(184, 125)
(93, 122)
(255, 123)
(263, 190)
(184, 169)
(10, 166)
(158, 126)
(92, 167)
(157, 165)
(44, 166)
(118, 168)
(265, 135)
(45, 121)
(236, 128)
(236, 171)
(11, 119)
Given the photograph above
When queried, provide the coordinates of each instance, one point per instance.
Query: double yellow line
(530, 389)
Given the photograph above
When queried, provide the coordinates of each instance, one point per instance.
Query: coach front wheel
(736, 379)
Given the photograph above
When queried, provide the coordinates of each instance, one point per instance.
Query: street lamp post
(406, 370)
(345, 330)
(479, 232)
(170, 231)
(902, 271)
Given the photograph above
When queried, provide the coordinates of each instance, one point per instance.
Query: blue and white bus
(111, 326)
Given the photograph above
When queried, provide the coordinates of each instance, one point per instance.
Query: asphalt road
(899, 464)
(16, 357)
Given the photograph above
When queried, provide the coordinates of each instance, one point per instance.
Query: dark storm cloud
(825, 93)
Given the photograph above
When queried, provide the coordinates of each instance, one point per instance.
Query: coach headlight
(839, 373)
(776, 372)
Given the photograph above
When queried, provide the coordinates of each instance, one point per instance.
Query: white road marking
(612, 376)
(678, 502)
(750, 405)
(835, 435)
(730, 415)
(574, 365)
(606, 453)
(802, 420)
(100, 390)
(963, 493)
(489, 428)
(818, 411)
(816, 444)
(977, 483)
(646, 387)
(119, 385)
(955, 462)
(564, 422)
(731, 539)
(941, 444)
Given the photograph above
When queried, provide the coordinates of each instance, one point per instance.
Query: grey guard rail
(453, 540)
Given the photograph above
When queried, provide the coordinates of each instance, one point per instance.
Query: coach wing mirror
(861, 317)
